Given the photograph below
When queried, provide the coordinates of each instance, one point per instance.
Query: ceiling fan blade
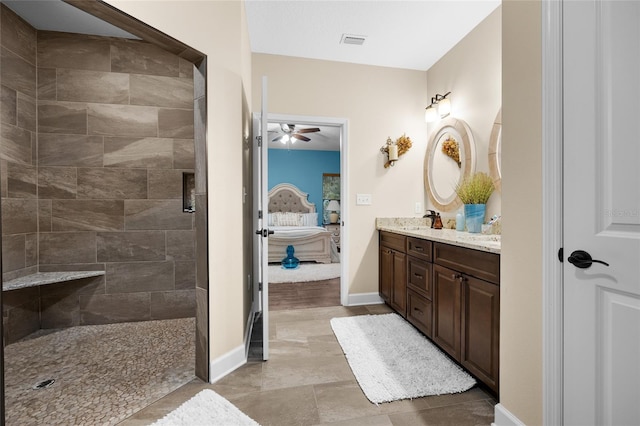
(300, 137)
(278, 139)
(309, 130)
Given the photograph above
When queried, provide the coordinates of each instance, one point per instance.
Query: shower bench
(43, 278)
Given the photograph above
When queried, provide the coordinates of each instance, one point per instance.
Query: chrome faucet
(431, 214)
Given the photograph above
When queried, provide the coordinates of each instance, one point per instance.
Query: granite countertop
(419, 228)
(42, 278)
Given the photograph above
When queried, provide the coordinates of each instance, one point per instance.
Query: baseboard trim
(504, 417)
(364, 299)
(227, 363)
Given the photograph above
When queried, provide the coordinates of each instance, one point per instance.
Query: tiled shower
(97, 133)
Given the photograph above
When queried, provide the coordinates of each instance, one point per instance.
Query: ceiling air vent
(358, 40)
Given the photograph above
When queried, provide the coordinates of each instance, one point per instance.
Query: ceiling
(409, 34)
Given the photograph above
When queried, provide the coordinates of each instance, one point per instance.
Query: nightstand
(334, 228)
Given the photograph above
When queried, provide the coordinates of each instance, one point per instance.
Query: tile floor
(103, 374)
(307, 381)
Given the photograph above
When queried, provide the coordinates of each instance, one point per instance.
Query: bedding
(294, 221)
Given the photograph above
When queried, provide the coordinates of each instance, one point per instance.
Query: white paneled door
(601, 80)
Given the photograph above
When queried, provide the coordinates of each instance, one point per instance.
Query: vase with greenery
(474, 192)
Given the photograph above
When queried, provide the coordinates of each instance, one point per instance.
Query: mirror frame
(468, 153)
(495, 144)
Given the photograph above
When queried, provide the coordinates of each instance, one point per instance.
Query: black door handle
(582, 259)
(264, 232)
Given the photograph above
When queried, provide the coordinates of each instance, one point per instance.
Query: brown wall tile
(114, 308)
(13, 252)
(181, 245)
(21, 180)
(185, 275)
(18, 273)
(67, 247)
(92, 86)
(186, 69)
(57, 182)
(200, 145)
(202, 334)
(131, 246)
(16, 144)
(138, 57)
(156, 214)
(202, 262)
(62, 117)
(165, 184)
(122, 120)
(69, 150)
(176, 92)
(26, 112)
(59, 311)
(89, 215)
(65, 50)
(133, 277)
(173, 304)
(47, 84)
(74, 267)
(22, 320)
(152, 153)
(17, 35)
(9, 106)
(17, 73)
(19, 216)
(175, 123)
(44, 215)
(31, 249)
(112, 183)
(183, 154)
(4, 186)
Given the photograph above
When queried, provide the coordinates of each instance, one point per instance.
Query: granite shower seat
(43, 278)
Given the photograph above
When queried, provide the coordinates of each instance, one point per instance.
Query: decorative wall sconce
(394, 150)
(440, 107)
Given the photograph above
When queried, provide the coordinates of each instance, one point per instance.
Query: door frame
(343, 124)
(552, 199)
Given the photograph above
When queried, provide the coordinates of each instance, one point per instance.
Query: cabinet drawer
(419, 248)
(419, 312)
(393, 241)
(419, 276)
(476, 263)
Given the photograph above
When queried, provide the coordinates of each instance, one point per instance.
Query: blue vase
(474, 217)
(290, 262)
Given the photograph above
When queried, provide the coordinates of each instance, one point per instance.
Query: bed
(294, 222)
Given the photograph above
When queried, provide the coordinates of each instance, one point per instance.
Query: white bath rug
(206, 408)
(392, 360)
(305, 272)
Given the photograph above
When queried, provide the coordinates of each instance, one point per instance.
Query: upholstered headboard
(286, 197)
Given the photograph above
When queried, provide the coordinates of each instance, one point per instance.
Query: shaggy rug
(392, 360)
(206, 408)
(305, 272)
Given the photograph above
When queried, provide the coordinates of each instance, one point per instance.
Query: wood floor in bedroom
(313, 294)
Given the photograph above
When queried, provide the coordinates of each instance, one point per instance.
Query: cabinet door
(385, 280)
(419, 276)
(419, 312)
(481, 330)
(399, 292)
(446, 309)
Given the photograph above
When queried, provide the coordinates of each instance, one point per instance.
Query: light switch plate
(363, 199)
(418, 207)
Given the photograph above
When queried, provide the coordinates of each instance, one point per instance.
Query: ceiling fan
(291, 134)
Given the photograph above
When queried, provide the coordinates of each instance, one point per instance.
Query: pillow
(309, 219)
(270, 219)
(287, 219)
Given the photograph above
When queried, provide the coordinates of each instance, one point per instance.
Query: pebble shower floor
(103, 373)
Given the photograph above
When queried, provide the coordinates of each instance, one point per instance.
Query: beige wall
(521, 271)
(378, 102)
(472, 72)
(217, 29)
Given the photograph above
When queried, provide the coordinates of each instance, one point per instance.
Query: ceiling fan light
(284, 139)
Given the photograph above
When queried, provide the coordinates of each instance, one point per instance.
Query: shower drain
(44, 384)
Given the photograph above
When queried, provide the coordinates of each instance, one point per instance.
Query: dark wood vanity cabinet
(392, 274)
(466, 308)
(450, 293)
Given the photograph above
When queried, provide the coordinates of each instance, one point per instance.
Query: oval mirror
(451, 155)
(495, 152)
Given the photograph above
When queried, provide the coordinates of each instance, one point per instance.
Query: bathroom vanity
(447, 284)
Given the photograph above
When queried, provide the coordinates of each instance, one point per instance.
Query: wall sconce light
(440, 107)
(391, 149)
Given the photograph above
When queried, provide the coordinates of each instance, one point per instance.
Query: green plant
(475, 189)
